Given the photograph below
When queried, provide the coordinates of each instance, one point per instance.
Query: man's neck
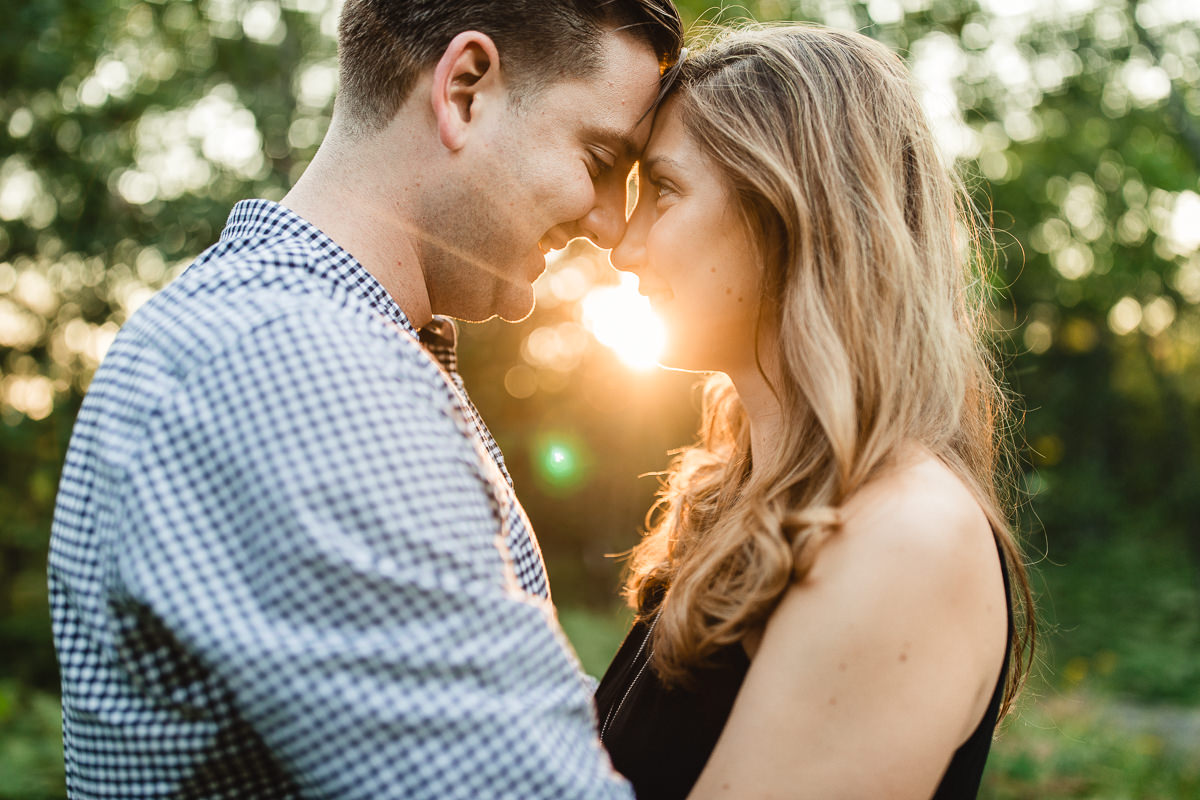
(348, 194)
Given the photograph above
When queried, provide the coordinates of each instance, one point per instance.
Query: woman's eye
(660, 189)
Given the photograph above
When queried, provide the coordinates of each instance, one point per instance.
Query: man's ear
(469, 67)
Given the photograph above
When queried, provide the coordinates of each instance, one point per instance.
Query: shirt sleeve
(312, 525)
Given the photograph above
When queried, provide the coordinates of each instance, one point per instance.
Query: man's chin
(517, 306)
(513, 304)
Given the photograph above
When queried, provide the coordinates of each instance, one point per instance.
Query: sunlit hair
(873, 280)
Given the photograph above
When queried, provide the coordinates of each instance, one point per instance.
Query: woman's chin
(684, 362)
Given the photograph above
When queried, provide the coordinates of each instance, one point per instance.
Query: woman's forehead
(669, 139)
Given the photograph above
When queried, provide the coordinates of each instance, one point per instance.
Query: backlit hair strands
(667, 82)
(872, 278)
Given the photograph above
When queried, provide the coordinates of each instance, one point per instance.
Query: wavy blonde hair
(873, 280)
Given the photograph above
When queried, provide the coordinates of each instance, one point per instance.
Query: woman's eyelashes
(659, 189)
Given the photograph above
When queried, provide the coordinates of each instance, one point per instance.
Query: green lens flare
(560, 461)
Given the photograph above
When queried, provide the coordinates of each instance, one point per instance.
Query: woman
(824, 598)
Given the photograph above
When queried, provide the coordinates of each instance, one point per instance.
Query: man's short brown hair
(383, 45)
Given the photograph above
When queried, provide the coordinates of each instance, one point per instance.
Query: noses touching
(603, 225)
(629, 255)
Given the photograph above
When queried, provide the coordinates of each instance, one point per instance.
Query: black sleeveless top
(661, 738)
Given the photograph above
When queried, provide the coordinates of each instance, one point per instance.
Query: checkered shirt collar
(263, 219)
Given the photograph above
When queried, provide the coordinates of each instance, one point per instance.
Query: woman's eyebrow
(653, 163)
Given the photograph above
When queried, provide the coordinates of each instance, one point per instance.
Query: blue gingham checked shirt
(287, 560)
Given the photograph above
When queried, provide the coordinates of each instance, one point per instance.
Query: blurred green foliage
(1083, 745)
(128, 129)
(31, 762)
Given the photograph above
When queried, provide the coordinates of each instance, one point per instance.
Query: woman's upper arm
(875, 668)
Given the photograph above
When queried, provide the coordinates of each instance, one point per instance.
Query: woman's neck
(763, 412)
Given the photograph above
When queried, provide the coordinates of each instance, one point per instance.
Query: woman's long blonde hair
(873, 278)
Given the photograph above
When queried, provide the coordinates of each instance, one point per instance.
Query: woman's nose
(630, 252)
(628, 255)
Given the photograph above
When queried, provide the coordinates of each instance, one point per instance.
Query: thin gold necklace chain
(616, 710)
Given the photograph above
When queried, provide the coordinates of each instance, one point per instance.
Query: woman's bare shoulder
(886, 653)
(921, 517)
(917, 543)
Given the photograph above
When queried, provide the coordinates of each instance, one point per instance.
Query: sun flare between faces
(622, 320)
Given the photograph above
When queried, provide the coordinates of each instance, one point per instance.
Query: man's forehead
(619, 95)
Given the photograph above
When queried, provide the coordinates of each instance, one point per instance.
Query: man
(286, 559)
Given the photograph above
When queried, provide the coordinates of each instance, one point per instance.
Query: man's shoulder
(242, 287)
(238, 295)
(244, 278)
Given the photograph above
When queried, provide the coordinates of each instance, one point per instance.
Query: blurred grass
(1124, 617)
(1083, 744)
(31, 764)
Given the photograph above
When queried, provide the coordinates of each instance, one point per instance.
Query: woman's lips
(657, 296)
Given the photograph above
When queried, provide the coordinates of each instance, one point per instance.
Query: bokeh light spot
(1125, 316)
(1038, 336)
(20, 123)
(1157, 315)
(262, 22)
(521, 382)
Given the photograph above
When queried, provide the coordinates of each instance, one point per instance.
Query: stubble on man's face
(474, 249)
(481, 249)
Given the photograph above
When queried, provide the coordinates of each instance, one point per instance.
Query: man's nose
(604, 224)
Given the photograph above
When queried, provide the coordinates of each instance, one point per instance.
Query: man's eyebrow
(619, 140)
